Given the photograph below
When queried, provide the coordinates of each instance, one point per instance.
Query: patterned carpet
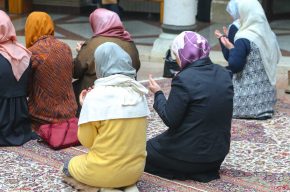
(259, 160)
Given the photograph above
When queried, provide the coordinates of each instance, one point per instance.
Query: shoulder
(223, 70)
(218, 67)
(2, 58)
(3, 61)
(183, 75)
(94, 42)
(183, 79)
(243, 43)
(60, 43)
(233, 27)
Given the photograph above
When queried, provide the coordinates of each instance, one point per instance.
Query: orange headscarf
(37, 25)
(15, 53)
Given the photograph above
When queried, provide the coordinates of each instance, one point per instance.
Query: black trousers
(158, 164)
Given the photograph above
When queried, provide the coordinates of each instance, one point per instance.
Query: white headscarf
(116, 94)
(255, 28)
(232, 9)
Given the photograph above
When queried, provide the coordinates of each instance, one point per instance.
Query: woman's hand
(79, 45)
(219, 35)
(226, 31)
(153, 86)
(226, 42)
(84, 94)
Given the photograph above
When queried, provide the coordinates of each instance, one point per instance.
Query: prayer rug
(259, 160)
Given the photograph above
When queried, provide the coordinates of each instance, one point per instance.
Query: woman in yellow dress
(112, 124)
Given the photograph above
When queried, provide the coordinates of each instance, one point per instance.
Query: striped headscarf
(189, 47)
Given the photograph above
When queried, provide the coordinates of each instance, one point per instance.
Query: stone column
(179, 15)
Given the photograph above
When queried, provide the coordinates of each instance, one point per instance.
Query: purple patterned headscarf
(189, 47)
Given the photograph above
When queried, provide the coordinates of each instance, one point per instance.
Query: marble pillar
(179, 15)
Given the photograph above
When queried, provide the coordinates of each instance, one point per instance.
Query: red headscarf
(15, 53)
(107, 23)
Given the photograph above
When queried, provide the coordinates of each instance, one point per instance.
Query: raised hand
(225, 41)
(218, 34)
(83, 95)
(226, 31)
(153, 85)
(79, 45)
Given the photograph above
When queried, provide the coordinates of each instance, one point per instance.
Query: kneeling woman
(15, 127)
(198, 114)
(112, 124)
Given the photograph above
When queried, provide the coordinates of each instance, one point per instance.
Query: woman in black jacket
(198, 114)
(15, 127)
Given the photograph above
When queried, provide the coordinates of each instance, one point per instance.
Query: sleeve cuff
(158, 93)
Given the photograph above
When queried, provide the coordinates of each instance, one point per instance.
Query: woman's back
(13, 106)
(202, 132)
(51, 97)
(84, 66)
(15, 127)
(112, 123)
(9, 87)
(117, 153)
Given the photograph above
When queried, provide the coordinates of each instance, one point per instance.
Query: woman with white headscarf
(198, 114)
(112, 124)
(253, 59)
(231, 31)
(106, 27)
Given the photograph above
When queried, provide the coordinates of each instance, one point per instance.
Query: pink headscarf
(107, 23)
(15, 53)
(189, 47)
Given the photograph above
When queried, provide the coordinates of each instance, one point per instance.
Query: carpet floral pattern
(259, 160)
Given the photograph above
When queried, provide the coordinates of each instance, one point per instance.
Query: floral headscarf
(189, 47)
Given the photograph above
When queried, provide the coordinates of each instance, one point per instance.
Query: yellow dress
(117, 153)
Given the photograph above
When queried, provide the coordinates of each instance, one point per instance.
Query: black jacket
(198, 113)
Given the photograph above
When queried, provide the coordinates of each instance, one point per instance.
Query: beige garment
(84, 63)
